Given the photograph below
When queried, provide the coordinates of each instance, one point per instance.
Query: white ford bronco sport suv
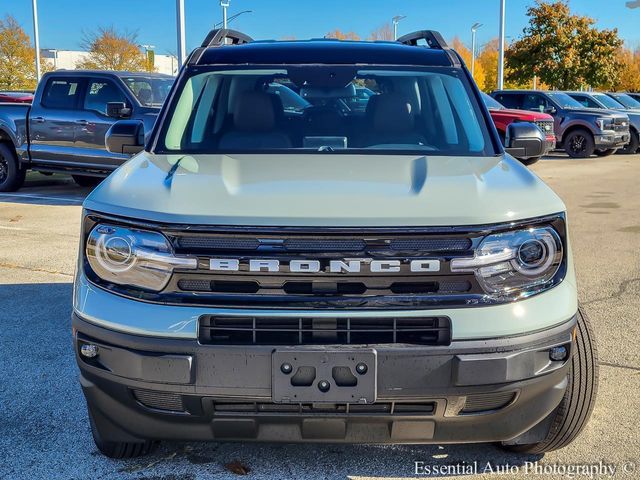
(284, 260)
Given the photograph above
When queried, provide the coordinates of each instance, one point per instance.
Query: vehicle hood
(323, 190)
(521, 115)
(599, 112)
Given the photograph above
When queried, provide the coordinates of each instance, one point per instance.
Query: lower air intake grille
(228, 330)
(160, 400)
(378, 408)
(487, 402)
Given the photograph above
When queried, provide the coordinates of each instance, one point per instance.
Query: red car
(503, 117)
(16, 97)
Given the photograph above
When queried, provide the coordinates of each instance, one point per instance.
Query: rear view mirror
(525, 140)
(125, 136)
(118, 110)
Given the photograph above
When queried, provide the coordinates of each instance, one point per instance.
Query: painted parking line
(42, 197)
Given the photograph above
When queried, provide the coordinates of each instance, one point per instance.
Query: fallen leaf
(237, 467)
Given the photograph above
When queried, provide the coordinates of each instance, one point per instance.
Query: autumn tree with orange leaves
(111, 50)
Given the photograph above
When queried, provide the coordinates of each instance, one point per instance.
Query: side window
(589, 102)
(61, 93)
(510, 100)
(99, 93)
(534, 102)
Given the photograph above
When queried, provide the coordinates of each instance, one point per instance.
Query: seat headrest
(391, 113)
(254, 112)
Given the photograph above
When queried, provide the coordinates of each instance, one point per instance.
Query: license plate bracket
(298, 375)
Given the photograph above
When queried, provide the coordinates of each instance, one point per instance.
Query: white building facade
(68, 59)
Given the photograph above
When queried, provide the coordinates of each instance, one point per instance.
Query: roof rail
(220, 36)
(433, 39)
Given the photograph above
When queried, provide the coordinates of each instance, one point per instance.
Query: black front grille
(231, 330)
(487, 402)
(167, 401)
(546, 126)
(222, 408)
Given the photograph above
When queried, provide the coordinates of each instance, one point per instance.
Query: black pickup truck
(63, 130)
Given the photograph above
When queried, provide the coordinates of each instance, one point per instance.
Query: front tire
(86, 180)
(576, 406)
(633, 145)
(118, 450)
(529, 161)
(11, 174)
(579, 144)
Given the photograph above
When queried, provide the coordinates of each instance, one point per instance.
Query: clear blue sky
(62, 22)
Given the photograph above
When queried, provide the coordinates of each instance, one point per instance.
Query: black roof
(323, 51)
(115, 73)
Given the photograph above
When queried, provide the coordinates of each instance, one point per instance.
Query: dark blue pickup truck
(63, 130)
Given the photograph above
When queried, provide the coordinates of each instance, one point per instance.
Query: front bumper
(611, 139)
(469, 391)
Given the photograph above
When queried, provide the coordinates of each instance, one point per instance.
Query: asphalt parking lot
(43, 428)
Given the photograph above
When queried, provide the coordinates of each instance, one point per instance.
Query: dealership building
(68, 59)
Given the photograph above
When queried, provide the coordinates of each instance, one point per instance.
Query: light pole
(36, 38)
(182, 49)
(231, 18)
(395, 21)
(474, 29)
(501, 41)
(225, 5)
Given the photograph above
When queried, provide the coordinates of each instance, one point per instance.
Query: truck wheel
(631, 147)
(577, 404)
(86, 180)
(606, 153)
(11, 175)
(119, 450)
(579, 144)
(529, 161)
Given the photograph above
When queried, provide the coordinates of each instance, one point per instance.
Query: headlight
(515, 263)
(133, 257)
(604, 123)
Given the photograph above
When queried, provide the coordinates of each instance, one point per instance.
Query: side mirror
(550, 110)
(525, 140)
(118, 110)
(125, 136)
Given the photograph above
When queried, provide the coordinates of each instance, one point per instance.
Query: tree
(629, 78)
(564, 50)
(342, 35)
(17, 57)
(465, 53)
(110, 50)
(383, 32)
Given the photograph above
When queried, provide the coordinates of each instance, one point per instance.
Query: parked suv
(503, 117)
(604, 101)
(580, 131)
(391, 275)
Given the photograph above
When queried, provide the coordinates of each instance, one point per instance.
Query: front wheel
(606, 153)
(86, 180)
(579, 144)
(577, 404)
(529, 161)
(11, 175)
(633, 145)
(119, 450)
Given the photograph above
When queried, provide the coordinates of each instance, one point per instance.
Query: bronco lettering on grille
(333, 266)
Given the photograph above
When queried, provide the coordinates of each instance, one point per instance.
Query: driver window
(99, 93)
(535, 102)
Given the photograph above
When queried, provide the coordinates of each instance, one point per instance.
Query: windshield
(564, 100)
(150, 91)
(491, 103)
(627, 101)
(341, 109)
(607, 101)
